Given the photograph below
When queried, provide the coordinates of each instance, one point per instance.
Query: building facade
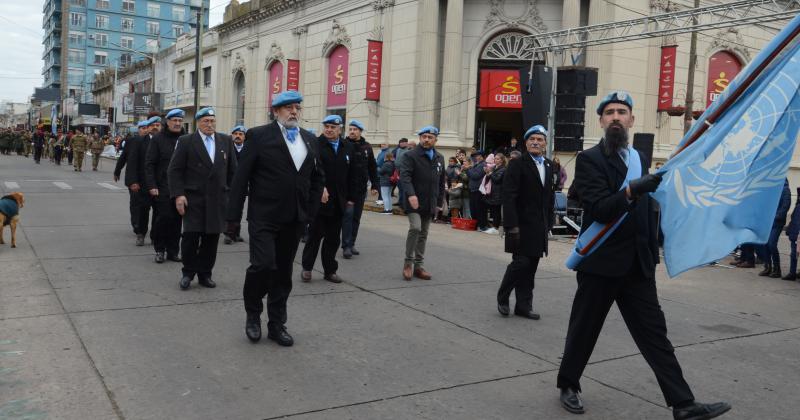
(431, 58)
(82, 37)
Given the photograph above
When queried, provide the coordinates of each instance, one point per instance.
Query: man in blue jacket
(772, 262)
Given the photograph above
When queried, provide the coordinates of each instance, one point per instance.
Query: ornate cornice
(729, 39)
(238, 64)
(530, 16)
(259, 15)
(252, 45)
(300, 30)
(275, 54)
(225, 54)
(337, 36)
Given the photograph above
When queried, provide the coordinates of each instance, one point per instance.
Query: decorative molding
(376, 34)
(260, 15)
(729, 39)
(338, 36)
(382, 4)
(300, 30)
(225, 54)
(238, 64)
(253, 45)
(275, 54)
(662, 6)
(508, 46)
(530, 17)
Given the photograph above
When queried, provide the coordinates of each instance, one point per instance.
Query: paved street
(91, 328)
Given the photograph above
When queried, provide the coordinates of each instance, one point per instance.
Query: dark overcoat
(137, 150)
(528, 204)
(205, 184)
(159, 153)
(598, 178)
(342, 170)
(424, 178)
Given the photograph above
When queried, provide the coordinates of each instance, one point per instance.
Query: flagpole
(734, 96)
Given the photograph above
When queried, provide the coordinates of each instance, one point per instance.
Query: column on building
(570, 14)
(427, 69)
(451, 79)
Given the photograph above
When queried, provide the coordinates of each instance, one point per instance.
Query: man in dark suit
(199, 176)
(422, 173)
(237, 134)
(621, 269)
(369, 172)
(280, 174)
(167, 227)
(135, 179)
(341, 172)
(527, 213)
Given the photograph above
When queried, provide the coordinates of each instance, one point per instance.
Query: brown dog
(9, 215)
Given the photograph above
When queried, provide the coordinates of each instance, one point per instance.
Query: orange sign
(500, 89)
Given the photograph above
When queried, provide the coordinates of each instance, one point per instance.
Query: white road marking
(109, 186)
(62, 185)
(12, 185)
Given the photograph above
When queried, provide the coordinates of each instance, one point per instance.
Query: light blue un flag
(723, 189)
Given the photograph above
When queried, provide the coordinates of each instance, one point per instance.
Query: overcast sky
(21, 45)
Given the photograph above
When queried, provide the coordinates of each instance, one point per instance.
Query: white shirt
(238, 147)
(297, 149)
(540, 167)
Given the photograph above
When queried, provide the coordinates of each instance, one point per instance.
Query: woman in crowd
(385, 172)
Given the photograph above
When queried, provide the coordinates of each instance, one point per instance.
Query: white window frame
(153, 10)
(152, 28)
(101, 39)
(79, 36)
(177, 30)
(128, 6)
(102, 4)
(126, 42)
(122, 62)
(102, 18)
(178, 10)
(77, 19)
(122, 25)
(100, 54)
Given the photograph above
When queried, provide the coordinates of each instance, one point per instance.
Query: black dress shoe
(354, 251)
(700, 411)
(503, 309)
(239, 239)
(347, 253)
(253, 327)
(527, 314)
(790, 277)
(228, 240)
(185, 282)
(160, 257)
(333, 278)
(571, 401)
(139, 240)
(206, 282)
(280, 336)
(174, 257)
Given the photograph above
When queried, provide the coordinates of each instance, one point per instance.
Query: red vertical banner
(275, 81)
(337, 77)
(374, 67)
(666, 77)
(293, 75)
(722, 68)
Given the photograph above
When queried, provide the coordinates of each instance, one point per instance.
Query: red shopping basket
(464, 224)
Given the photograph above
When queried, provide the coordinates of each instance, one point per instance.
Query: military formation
(15, 141)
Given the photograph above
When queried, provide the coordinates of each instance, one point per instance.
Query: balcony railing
(185, 98)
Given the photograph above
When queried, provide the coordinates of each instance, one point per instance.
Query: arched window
(723, 66)
(508, 46)
(239, 99)
(338, 62)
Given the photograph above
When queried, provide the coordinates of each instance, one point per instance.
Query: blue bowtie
(291, 134)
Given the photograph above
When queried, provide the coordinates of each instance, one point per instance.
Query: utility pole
(687, 116)
(198, 46)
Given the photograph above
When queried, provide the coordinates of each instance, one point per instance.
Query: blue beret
(204, 112)
(332, 119)
(132, 130)
(615, 97)
(287, 98)
(428, 129)
(177, 112)
(357, 124)
(153, 120)
(536, 129)
(239, 128)
(143, 123)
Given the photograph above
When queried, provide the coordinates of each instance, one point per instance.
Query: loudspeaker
(570, 113)
(643, 143)
(535, 95)
(577, 81)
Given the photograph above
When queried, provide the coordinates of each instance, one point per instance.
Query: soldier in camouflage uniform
(27, 141)
(96, 145)
(5, 141)
(79, 144)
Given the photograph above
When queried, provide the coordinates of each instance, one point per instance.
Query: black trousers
(637, 301)
(167, 226)
(351, 221)
(58, 151)
(272, 252)
(477, 209)
(141, 203)
(326, 230)
(519, 277)
(37, 153)
(199, 253)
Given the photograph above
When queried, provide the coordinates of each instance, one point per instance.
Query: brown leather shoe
(305, 276)
(407, 271)
(745, 264)
(420, 273)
